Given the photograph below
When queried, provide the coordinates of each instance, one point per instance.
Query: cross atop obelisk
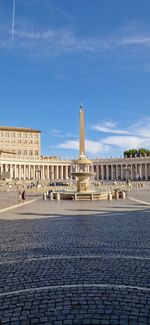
(82, 141)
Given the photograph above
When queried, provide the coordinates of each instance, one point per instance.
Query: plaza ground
(73, 262)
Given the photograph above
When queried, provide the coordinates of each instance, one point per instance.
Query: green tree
(130, 153)
(142, 152)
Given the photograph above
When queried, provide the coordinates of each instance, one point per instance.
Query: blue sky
(60, 53)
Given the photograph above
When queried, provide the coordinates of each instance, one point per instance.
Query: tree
(130, 153)
(142, 152)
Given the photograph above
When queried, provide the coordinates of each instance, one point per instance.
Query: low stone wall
(89, 196)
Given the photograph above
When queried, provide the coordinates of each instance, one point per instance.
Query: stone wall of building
(23, 142)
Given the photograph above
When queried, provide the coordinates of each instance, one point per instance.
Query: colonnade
(34, 171)
(108, 169)
(132, 171)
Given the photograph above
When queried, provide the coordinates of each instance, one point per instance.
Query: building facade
(20, 159)
(24, 142)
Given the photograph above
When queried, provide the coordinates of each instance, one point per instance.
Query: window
(19, 135)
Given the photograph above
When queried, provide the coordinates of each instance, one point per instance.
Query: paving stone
(113, 236)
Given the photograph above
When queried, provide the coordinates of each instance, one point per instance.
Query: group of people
(22, 195)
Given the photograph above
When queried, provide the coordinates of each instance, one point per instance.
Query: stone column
(11, 171)
(102, 169)
(42, 172)
(127, 172)
(107, 173)
(146, 172)
(112, 172)
(2, 168)
(19, 172)
(140, 171)
(48, 172)
(34, 172)
(15, 171)
(24, 169)
(66, 172)
(136, 171)
(57, 175)
(117, 172)
(97, 172)
(29, 172)
(121, 172)
(131, 172)
(52, 172)
(61, 172)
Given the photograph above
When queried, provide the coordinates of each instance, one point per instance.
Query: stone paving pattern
(76, 263)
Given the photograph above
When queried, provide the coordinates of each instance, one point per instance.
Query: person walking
(23, 195)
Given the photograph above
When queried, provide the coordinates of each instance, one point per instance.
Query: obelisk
(82, 171)
(82, 141)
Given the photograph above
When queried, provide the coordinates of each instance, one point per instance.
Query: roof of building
(13, 128)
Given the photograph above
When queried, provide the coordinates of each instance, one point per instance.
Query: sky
(57, 54)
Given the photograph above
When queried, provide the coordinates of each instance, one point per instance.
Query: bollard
(57, 197)
(109, 196)
(91, 196)
(75, 196)
(117, 195)
(51, 196)
(123, 195)
(44, 196)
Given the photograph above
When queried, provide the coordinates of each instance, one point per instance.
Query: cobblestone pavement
(76, 263)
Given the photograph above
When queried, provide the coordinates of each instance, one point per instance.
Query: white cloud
(136, 40)
(60, 133)
(92, 147)
(136, 135)
(70, 144)
(141, 128)
(109, 127)
(52, 41)
(124, 141)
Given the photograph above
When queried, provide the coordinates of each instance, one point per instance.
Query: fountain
(83, 172)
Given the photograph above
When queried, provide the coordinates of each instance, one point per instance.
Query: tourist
(23, 195)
